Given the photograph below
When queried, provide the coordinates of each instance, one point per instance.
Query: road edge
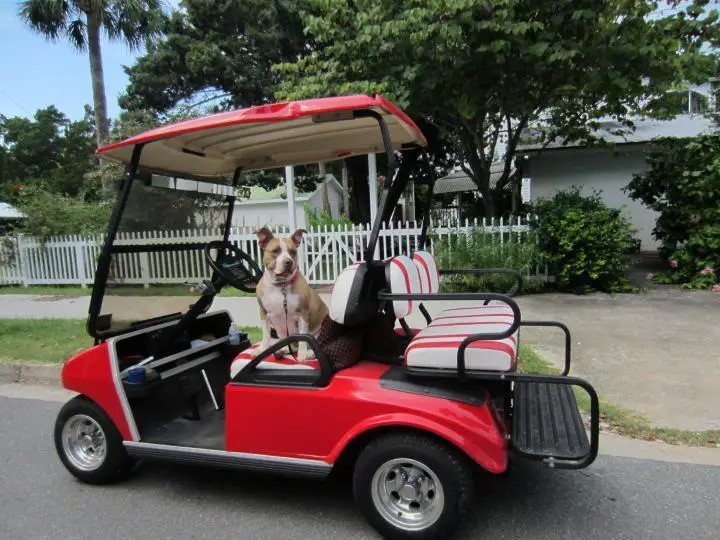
(23, 372)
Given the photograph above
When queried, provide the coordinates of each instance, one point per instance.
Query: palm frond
(77, 34)
(47, 17)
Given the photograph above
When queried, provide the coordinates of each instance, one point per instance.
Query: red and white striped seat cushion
(436, 345)
(271, 362)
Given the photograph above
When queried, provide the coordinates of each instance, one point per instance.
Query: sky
(36, 73)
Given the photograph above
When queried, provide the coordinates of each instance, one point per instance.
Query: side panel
(92, 374)
(319, 423)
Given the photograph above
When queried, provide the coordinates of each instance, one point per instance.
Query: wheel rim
(407, 494)
(84, 442)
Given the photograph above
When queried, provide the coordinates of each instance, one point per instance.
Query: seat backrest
(402, 277)
(429, 274)
(353, 300)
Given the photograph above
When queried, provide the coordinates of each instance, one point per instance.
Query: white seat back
(428, 270)
(403, 278)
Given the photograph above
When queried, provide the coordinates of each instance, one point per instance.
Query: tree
(682, 184)
(51, 149)
(82, 21)
(484, 70)
(217, 51)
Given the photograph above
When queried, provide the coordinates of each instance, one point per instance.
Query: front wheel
(412, 487)
(89, 444)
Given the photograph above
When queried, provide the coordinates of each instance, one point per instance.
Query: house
(8, 215)
(607, 170)
(270, 208)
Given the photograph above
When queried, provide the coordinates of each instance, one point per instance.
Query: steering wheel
(234, 265)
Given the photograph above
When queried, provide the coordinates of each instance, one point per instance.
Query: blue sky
(36, 73)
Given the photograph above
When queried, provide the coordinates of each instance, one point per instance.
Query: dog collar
(292, 279)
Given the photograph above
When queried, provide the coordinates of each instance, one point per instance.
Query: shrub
(582, 241)
(682, 184)
(324, 219)
(48, 214)
(483, 249)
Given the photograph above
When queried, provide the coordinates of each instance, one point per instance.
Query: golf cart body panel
(319, 423)
(169, 382)
(93, 373)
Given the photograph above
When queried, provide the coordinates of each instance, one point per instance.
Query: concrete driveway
(657, 352)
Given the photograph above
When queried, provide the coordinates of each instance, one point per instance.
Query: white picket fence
(326, 251)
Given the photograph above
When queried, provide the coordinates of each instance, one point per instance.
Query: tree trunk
(326, 189)
(346, 190)
(98, 79)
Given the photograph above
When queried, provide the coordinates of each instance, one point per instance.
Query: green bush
(482, 249)
(582, 241)
(324, 219)
(48, 214)
(682, 184)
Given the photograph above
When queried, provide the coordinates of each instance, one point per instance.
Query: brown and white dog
(287, 303)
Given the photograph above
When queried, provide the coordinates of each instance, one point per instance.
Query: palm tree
(81, 21)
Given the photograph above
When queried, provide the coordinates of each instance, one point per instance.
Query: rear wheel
(412, 487)
(89, 444)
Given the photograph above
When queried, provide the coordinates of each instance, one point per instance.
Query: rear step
(547, 425)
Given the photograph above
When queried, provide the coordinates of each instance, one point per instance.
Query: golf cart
(171, 380)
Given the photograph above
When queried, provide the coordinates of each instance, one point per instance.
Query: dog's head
(280, 254)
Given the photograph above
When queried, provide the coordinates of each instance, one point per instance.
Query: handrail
(325, 366)
(494, 336)
(568, 340)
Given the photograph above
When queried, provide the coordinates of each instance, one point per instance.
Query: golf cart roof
(269, 136)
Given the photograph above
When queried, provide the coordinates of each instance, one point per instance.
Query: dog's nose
(288, 263)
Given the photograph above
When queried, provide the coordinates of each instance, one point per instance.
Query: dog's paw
(305, 356)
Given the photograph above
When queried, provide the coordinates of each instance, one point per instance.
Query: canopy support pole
(290, 185)
(372, 178)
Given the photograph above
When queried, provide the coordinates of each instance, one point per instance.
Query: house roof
(9, 212)
(458, 181)
(645, 131)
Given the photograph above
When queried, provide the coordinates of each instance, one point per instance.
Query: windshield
(157, 255)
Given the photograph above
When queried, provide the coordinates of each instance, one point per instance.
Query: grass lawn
(52, 341)
(154, 290)
(619, 419)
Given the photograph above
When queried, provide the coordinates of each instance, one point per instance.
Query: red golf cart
(171, 380)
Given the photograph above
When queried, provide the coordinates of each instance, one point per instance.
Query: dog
(287, 303)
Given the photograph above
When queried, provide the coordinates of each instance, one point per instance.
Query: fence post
(79, 261)
(145, 266)
(22, 261)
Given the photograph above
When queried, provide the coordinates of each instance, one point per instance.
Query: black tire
(450, 467)
(114, 465)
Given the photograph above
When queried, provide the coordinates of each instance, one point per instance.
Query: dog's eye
(276, 251)
(292, 252)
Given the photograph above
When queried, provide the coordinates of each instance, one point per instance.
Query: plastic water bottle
(234, 335)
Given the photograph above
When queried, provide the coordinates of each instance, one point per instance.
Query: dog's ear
(264, 236)
(297, 236)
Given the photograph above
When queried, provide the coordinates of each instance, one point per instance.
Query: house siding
(596, 169)
(272, 214)
(334, 197)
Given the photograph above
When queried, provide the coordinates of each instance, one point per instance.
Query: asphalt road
(615, 498)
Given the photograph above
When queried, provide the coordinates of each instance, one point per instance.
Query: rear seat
(436, 345)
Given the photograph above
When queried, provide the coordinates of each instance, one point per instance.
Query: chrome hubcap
(407, 494)
(83, 442)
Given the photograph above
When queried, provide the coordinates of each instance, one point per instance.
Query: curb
(20, 372)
